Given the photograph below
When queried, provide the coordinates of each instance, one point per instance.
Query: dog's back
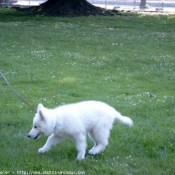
(89, 114)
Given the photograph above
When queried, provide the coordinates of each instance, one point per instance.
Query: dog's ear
(41, 115)
(40, 106)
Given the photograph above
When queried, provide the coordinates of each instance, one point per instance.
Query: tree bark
(143, 4)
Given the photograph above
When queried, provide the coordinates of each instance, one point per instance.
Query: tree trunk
(143, 4)
(69, 8)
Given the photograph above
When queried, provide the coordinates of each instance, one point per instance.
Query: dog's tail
(124, 120)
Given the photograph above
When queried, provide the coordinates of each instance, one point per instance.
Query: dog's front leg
(52, 140)
(81, 145)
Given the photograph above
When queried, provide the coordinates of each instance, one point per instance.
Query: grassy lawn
(117, 60)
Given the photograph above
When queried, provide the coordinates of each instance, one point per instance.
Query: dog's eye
(35, 126)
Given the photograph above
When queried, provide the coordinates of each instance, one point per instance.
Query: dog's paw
(91, 152)
(41, 151)
(80, 156)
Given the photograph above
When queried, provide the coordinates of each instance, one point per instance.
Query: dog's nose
(28, 135)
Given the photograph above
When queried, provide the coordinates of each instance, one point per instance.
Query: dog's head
(39, 124)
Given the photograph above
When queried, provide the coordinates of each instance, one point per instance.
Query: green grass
(118, 60)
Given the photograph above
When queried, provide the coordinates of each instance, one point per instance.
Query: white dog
(76, 121)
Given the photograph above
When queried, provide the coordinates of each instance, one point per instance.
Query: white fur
(76, 121)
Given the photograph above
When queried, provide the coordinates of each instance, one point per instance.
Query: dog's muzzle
(37, 136)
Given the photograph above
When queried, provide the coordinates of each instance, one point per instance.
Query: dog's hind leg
(100, 138)
(81, 145)
(52, 140)
(91, 136)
